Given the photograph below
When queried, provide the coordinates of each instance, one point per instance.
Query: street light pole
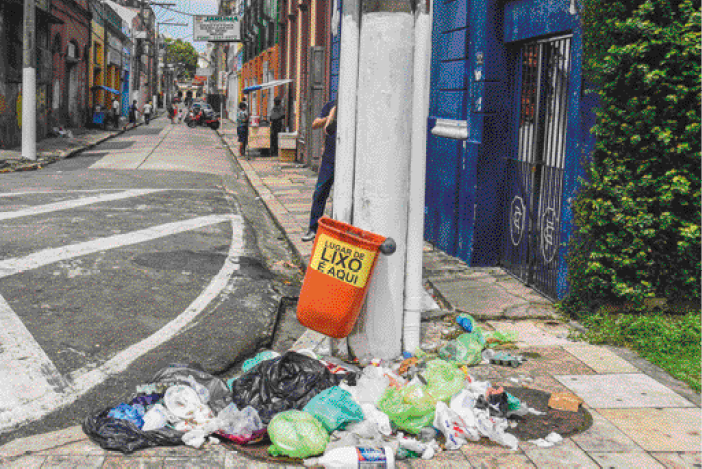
(29, 83)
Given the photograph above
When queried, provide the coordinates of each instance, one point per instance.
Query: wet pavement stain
(203, 262)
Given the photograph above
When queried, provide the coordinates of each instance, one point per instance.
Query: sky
(189, 7)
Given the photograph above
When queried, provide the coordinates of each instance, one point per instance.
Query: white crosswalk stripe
(31, 386)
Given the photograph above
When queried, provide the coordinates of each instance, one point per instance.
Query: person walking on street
(133, 113)
(277, 117)
(115, 112)
(148, 107)
(325, 178)
(172, 112)
(242, 128)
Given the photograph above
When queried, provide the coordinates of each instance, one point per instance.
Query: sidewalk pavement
(642, 417)
(52, 149)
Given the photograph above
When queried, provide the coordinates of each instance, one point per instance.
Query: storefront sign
(216, 28)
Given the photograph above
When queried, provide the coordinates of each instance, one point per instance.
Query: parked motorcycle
(210, 120)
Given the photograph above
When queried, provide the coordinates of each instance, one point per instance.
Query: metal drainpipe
(346, 129)
(415, 223)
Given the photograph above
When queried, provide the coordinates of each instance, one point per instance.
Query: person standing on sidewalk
(132, 113)
(115, 112)
(277, 116)
(325, 178)
(148, 107)
(242, 128)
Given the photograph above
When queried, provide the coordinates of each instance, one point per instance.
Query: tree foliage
(182, 52)
(638, 214)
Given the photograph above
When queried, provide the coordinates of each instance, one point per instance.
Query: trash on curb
(564, 401)
(296, 434)
(502, 358)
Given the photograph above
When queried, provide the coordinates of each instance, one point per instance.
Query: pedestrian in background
(277, 117)
(148, 107)
(242, 127)
(133, 113)
(325, 178)
(115, 112)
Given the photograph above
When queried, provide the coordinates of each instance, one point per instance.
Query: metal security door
(536, 167)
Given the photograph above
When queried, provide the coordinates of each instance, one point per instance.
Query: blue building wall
(475, 48)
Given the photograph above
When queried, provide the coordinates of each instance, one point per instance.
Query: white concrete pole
(346, 111)
(382, 166)
(415, 227)
(29, 83)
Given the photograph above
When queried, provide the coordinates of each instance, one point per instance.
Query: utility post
(382, 165)
(380, 160)
(29, 83)
(165, 55)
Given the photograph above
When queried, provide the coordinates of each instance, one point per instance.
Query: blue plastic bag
(129, 413)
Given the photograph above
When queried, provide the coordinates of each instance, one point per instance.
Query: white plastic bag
(463, 404)
(157, 417)
(452, 426)
(379, 418)
(370, 386)
(427, 450)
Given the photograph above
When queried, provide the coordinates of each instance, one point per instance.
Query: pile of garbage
(322, 409)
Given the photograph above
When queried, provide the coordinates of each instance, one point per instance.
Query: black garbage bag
(122, 435)
(284, 383)
(178, 373)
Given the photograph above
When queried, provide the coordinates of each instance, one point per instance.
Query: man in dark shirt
(277, 116)
(325, 178)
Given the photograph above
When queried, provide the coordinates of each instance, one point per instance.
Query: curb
(264, 195)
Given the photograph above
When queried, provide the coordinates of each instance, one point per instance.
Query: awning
(266, 85)
(111, 90)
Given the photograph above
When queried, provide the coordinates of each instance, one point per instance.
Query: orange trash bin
(337, 277)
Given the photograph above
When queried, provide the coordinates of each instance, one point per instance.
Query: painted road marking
(49, 256)
(52, 390)
(69, 204)
(71, 191)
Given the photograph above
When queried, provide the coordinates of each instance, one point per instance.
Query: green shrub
(637, 216)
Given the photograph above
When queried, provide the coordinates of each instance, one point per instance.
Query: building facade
(11, 64)
(507, 132)
(70, 46)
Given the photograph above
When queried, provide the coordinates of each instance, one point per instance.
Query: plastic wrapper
(443, 379)
(465, 350)
(453, 427)
(241, 426)
(260, 357)
(410, 408)
(219, 395)
(123, 436)
(296, 434)
(466, 321)
(370, 385)
(495, 338)
(132, 414)
(377, 418)
(334, 407)
(284, 383)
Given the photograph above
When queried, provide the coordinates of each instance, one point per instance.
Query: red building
(70, 46)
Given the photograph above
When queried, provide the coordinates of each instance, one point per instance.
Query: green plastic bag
(296, 434)
(466, 349)
(443, 379)
(410, 408)
(501, 338)
(334, 408)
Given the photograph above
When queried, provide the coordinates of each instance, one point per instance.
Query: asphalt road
(148, 249)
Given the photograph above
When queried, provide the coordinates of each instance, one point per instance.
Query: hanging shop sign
(216, 28)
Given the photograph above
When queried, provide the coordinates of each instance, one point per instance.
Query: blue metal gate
(446, 205)
(534, 181)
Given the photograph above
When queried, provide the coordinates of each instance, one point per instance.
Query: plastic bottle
(355, 457)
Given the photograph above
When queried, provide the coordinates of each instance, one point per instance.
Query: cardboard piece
(564, 401)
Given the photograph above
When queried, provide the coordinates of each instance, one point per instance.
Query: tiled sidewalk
(642, 417)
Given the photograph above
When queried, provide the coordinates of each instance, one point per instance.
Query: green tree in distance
(181, 52)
